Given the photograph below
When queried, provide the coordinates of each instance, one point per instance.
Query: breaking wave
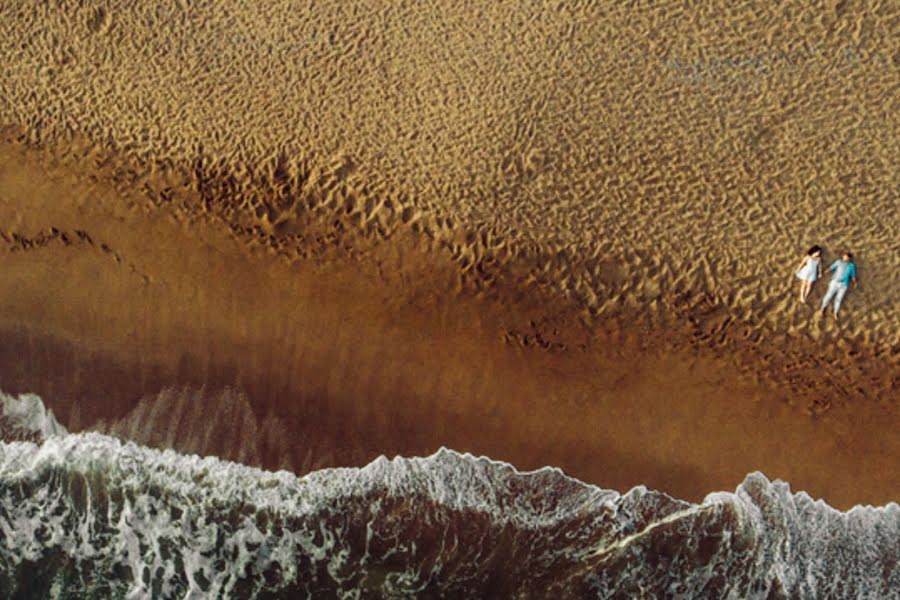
(88, 516)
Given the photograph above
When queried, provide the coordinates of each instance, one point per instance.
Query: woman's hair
(813, 250)
(849, 254)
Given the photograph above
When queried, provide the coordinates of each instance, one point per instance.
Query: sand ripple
(640, 153)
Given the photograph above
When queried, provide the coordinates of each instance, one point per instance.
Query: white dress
(810, 270)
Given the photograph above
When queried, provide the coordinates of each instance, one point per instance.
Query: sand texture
(468, 207)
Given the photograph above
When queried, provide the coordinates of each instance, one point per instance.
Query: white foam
(28, 413)
(201, 527)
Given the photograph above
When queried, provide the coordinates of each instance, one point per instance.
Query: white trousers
(836, 291)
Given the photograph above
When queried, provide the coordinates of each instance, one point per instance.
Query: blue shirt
(843, 272)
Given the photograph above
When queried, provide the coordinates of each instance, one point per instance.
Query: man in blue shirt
(843, 271)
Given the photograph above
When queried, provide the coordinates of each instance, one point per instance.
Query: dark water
(87, 516)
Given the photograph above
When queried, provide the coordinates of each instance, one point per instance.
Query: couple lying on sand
(843, 271)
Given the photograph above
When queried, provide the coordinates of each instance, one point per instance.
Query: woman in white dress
(810, 270)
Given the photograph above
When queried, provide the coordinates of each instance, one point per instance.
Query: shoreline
(341, 356)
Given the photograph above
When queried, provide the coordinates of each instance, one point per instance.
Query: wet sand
(303, 236)
(336, 359)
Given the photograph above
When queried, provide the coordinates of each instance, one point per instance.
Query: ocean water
(89, 516)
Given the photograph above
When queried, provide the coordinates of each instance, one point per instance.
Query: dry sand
(554, 233)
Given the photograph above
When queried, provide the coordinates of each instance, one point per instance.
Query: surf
(87, 515)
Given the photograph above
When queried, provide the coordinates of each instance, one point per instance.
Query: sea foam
(89, 516)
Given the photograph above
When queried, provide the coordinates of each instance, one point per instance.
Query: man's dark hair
(849, 255)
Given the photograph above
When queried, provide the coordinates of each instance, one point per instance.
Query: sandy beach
(554, 234)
